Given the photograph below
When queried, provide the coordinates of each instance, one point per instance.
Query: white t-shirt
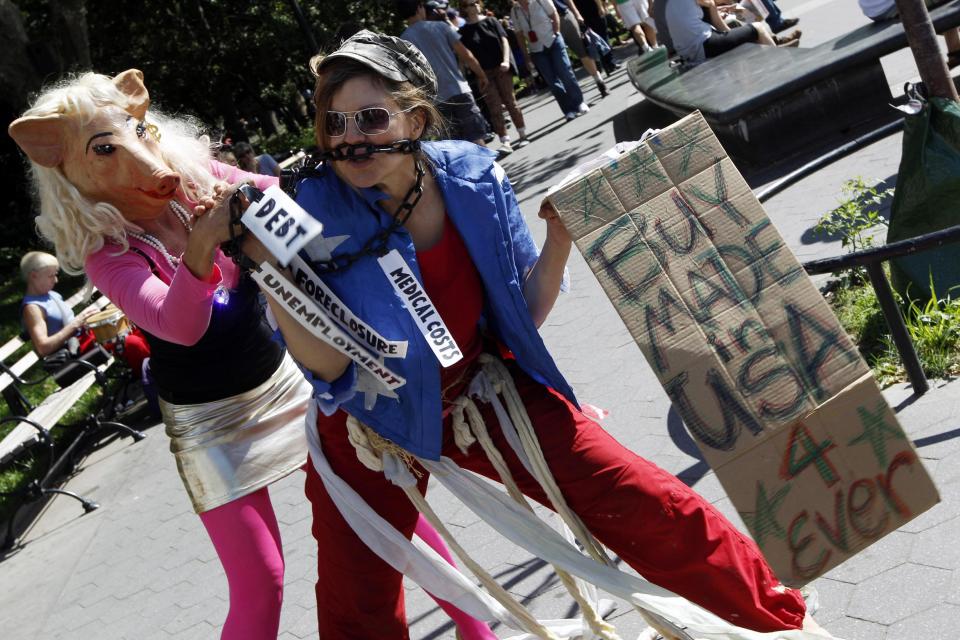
(875, 8)
(538, 19)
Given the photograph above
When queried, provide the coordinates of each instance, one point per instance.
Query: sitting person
(883, 10)
(699, 32)
(58, 335)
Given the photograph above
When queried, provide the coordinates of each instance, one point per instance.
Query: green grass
(934, 328)
(934, 325)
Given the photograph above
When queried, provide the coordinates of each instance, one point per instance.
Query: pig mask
(112, 157)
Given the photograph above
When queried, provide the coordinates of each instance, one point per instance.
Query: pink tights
(469, 627)
(247, 539)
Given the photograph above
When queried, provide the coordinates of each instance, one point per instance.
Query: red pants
(650, 519)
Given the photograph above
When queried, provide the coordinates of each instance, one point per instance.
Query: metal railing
(872, 259)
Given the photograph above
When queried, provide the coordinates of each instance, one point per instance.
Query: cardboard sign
(766, 380)
(280, 224)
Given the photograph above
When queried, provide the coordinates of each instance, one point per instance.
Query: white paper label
(310, 284)
(282, 225)
(312, 317)
(420, 308)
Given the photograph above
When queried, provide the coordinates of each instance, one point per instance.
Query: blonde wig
(77, 226)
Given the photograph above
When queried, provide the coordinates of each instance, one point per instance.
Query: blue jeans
(775, 19)
(554, 65)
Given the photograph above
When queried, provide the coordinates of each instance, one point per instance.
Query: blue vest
(481, 204)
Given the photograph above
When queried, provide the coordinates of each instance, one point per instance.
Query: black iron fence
(872, 260)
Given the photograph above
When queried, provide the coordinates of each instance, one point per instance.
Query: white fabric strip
(305, 311)
(421, 308)
(310, 284)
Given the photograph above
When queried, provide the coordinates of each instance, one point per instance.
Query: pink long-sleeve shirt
(176, 306)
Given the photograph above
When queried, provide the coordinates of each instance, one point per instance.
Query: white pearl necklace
(153, 241)
(222, 295)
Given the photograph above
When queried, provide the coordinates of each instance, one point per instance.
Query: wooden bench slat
(47, 414)
(10, 347)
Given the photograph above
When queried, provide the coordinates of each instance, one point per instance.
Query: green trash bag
(927, 198)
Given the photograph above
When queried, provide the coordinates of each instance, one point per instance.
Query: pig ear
(130, 83)
(41, 138)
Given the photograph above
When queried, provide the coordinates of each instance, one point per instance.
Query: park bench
(767, 103)
(34, 424)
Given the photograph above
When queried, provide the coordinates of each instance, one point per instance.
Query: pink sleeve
(234, 175)
(178, 313)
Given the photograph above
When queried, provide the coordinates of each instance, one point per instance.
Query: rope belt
(469, 428)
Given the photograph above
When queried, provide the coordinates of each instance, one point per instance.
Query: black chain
(377, 245)
(231, 248)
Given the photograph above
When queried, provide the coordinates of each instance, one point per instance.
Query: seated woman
(46, 318)
(58, 335)
(699, 32)
(883, 10)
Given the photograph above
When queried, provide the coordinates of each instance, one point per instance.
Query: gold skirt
(229, 448)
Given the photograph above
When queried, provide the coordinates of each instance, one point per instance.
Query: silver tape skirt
(229, 448)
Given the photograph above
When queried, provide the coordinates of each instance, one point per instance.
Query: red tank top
(454, 286)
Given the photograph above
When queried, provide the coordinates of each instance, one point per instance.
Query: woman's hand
(211, 228)
(80, 320)
(557, 232)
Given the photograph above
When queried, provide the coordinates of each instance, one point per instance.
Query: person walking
(593, 12)
(440, 219)
(441, 46)
(572, 26)
(487, 40)
(538, 25)
(638, 19)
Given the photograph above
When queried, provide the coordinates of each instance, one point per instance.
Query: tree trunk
(923, 42)
(18, 76)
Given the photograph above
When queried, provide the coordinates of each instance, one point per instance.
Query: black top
(483, 40)
(237, 353)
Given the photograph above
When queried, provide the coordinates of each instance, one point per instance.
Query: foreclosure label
(421, 309)
(310, 283)
(282, 225)
(312, 317)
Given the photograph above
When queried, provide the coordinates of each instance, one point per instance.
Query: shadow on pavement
(934, 439)
(678, 434)
(811, 236)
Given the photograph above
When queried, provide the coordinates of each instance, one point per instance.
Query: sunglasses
(370, 121)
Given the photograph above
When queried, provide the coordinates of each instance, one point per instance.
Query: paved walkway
(141, 567)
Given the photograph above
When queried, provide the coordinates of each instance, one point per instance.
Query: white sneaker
(583, 108)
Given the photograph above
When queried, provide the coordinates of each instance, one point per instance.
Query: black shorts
(464, 120)
(719, 43)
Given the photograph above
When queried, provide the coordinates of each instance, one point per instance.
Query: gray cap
(393, 58)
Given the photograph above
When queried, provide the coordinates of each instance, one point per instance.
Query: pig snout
(166, 183)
